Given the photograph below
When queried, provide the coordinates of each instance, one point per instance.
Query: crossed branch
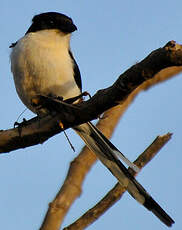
(157, 67)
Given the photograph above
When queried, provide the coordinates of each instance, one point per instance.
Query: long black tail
(109, 155)
(153, 206)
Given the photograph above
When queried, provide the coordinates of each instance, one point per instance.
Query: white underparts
(41, 64)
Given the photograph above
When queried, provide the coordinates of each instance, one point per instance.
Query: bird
(42, 63)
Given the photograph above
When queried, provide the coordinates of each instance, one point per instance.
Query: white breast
(41, 64)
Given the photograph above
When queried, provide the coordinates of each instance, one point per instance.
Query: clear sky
(111, 36)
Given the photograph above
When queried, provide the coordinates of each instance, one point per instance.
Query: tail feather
(154, 207)
(105, 146)
(108, 155)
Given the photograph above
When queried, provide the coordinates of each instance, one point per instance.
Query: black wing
(76, 70)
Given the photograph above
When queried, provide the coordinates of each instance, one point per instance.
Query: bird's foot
(73, 99)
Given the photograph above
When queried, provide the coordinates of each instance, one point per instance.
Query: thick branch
(39, 130)
(116, 193)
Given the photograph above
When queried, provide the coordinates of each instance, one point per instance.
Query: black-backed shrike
(43, 64)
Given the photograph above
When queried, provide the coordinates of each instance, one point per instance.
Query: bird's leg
(73, 99)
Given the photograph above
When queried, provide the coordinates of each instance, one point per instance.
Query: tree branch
(81, 165)
(116, 193)
(39, 130)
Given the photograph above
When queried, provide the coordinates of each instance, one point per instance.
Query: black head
(52, 20)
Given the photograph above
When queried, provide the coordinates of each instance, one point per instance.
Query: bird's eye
(51, 22)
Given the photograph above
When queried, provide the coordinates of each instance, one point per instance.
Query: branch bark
(39, 130)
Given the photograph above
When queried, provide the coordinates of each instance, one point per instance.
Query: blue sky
(111, 36)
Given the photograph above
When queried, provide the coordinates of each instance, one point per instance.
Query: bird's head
(52, 20)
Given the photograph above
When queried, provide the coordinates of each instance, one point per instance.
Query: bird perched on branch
(42, 64)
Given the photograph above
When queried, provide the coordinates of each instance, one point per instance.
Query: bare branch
(39, 130)
(116, 193)
(83, 163)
